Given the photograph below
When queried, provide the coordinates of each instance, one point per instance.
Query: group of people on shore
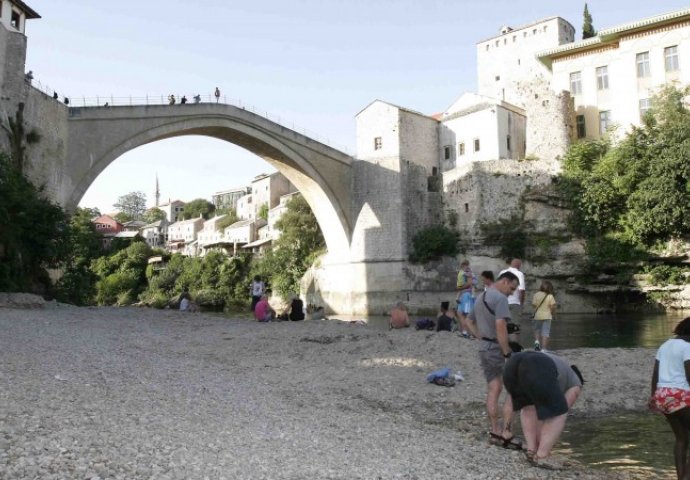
(263, 312)
(541, 385)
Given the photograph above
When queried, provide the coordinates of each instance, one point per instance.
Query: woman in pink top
(263, 311)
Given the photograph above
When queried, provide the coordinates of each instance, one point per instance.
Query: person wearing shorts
(465, 298)
(542, 387)
(671, 391)
(488, 322)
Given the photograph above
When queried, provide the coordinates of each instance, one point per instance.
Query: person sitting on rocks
(399, 316)
(443, 320)
(296, 309)
(263, 311)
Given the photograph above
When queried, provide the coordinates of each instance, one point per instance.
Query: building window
(580, 124)
(446, 152)
(603, 78)
(467, 208)
(461, 149)
(14, 20)
(498, 77)
(604, 121)
(378, 144)
(575, 83)
(671, 58)
(508, 142)
(476, 145)
(643, 65)
(644, 106)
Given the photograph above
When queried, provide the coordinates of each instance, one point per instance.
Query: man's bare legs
(492, 395)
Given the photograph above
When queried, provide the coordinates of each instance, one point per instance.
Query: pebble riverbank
(128, 393)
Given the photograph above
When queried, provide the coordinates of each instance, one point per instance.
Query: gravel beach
(133, 393)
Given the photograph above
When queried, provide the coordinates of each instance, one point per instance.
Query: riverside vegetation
(629, 199)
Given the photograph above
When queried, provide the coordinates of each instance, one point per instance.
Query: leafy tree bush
(153, 214)
(32, 236)
(130, 206)
(433, 243)
(638, 189)
(667, 275)
(229, 218)
(300, 243)
(263, 211)
(83, 245)
(196, 207)
(122, 275)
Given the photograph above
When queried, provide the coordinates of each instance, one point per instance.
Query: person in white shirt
(671, 391)
(517, 299)
(257, 289)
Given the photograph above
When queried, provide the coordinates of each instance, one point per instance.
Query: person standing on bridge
(197, 98)
(217, 94)
(171, 99)
(183, 100)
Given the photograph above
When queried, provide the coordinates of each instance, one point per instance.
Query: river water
(639, 443)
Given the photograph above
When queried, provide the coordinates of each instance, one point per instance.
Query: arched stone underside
(98, 136)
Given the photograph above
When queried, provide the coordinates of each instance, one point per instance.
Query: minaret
(158, 192)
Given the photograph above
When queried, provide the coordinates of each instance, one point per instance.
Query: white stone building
(243, 232)
(612, 76)
(182, 235)
(245, 207)
(509, 58)
(274, 214)
(477, 128)
(229, 198)
(15, 13)
(210, 235)
(173, 210)
(155, 234)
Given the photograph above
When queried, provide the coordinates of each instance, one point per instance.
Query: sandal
(547, 463)
(511, 443)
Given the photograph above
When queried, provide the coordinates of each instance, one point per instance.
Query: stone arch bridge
(97, 136)
(368, 209)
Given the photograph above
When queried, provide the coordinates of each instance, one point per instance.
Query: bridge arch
(99, 136)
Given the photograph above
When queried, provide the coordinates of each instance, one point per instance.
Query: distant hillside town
(197, 236)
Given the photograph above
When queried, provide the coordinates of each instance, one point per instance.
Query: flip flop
(495, 439)
(512, 443)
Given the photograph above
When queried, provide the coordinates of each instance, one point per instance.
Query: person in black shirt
(443, 321)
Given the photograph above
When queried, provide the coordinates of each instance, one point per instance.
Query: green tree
(229, 218)
(263, 211)
(131, 206)
(198, 207)
(300, 243)
(153, 215)
(587, 27)
(639, 189)
(77, 284)
(32, 232)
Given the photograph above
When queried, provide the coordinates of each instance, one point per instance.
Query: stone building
(229, 198)
(612, 76)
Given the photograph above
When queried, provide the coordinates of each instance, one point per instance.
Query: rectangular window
(575, 83)
(642, 60)
(671, 58)
(508, 142)
(604, 121)
(580, 123)
(461, 149)
(446, 152)
(378, 144)
(14, 20)
(476, 145)
(644, 106)
(603, 78)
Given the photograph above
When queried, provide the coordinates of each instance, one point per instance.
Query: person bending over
(399, 316)
(542, 387)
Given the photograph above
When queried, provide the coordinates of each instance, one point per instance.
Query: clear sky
(311, 63)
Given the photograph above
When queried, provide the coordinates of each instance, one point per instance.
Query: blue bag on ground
(440, 373)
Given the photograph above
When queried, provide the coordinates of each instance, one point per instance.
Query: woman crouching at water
(671, 391)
